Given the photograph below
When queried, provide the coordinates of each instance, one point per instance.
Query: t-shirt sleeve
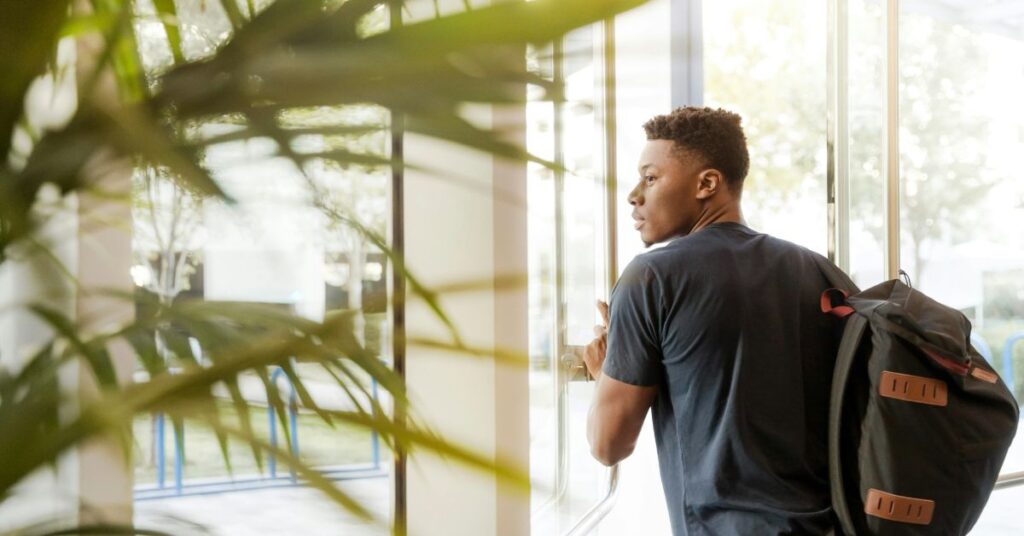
(634, 342)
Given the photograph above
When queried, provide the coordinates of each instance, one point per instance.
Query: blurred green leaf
(244, 418)
(310, 475)
(234, 14)
(99, 359)
(121, 49)
(294, 56)
(28, 36)
(92, 23)
(169, 18)
(496, 354)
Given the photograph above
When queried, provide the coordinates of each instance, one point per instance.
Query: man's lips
(638, 224)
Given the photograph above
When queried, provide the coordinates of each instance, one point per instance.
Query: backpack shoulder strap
(836, 277)
(856, 325)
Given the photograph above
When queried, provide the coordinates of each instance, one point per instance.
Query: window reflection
(765, 60)
(962, 197)
(567, 273)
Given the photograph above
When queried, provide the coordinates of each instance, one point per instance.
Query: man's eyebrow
(644, 167)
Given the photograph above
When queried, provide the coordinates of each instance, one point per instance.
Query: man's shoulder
(784, 245)
(731, 240)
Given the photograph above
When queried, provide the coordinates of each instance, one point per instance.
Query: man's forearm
(602, 447)
(593, 357)
(615, 418)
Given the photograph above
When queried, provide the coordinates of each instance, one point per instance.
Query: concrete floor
(276, 511)
(640, 508)
(305, 512)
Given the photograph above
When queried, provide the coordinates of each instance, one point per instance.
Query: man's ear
(709, 182)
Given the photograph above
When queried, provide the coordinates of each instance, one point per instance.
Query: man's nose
(635, 197)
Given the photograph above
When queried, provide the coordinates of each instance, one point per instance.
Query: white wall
(269, 245)
(86, 236)
(457, 231)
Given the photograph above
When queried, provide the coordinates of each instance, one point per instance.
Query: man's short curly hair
(712, 135)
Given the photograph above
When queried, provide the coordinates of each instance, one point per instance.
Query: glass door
(763, 60)
(955, 143)
(569, 266)
(961, 193)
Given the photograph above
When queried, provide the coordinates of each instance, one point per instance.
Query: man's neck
(725, 213)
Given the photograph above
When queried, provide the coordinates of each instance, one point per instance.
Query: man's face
(665, 203)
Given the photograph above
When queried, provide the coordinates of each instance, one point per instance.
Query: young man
(720, 332)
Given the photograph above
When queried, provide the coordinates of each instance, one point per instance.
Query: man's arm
(616, 416)
(618, 410)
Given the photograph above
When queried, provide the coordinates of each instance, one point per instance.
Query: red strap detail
(837, 307)
(953, 366)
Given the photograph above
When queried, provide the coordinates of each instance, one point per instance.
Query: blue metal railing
(1008, 376)
(982, 346)
(1007, 358)
(221, 485)
(161, 454)
(374, 438)
(293, 424)
(179, 456)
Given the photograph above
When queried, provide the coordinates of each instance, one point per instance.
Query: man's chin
(648, 239)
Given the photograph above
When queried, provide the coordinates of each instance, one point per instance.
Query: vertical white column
(464, 220)
(464, 223)
(97, 473)
(511, 322)
(891, 155)
(838, 136)
(101, 476)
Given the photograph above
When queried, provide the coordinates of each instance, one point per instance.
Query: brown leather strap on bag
(898, 508)
(911, 388)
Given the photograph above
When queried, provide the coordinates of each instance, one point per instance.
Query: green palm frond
(168, 14)
(28, 37)
(279, 63)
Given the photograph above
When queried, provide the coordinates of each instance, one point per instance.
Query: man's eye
(649, 178)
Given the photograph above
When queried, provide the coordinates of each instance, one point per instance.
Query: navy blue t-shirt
(726, 322)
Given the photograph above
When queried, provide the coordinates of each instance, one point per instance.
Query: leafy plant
(284, 60)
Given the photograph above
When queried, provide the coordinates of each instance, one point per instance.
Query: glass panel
(298, 261)
(585, 259)
(273, 247)
(584, 214)
(866, 140)
(962, 204)
(765, 60)
(566, 211)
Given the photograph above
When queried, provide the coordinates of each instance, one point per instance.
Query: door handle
(1010, 480)
(572, 363)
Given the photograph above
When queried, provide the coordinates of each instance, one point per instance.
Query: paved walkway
(640, 508)
(284, 511)
(304, 512)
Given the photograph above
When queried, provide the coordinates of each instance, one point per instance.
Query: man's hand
(593, 353)
(619, 409)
